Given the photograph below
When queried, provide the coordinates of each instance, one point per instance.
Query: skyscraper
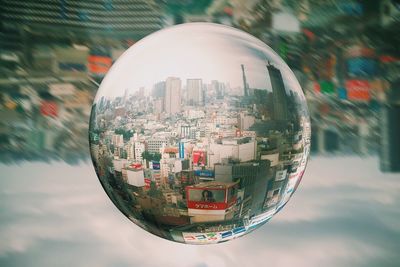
(279, 96)
(158, 90)
(194, 91)
(172, 100)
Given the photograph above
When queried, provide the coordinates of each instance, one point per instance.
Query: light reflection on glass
(201, 140)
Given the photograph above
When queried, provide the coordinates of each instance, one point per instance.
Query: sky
(194, 50)
(344, 213)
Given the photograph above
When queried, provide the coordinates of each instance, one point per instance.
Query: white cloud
(345, 213)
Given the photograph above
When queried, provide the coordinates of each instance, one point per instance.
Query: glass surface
(199, 133)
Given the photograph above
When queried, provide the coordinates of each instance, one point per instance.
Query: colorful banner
(49, 108)
(213, 237)
(99, 65)
(358, 90)
(199, 158)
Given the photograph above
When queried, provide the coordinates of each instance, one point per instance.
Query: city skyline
(197, 50)
(202, 162)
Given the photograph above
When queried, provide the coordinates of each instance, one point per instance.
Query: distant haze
(196, 50)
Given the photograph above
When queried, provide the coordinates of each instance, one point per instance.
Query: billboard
(204, 173)
(99, 65)
(181, 150)
(361, 67)
(206, 198)
(358, 90)
(156, 165)
(199, 158)
(49, 108)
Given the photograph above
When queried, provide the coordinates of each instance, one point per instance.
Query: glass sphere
(199, 133)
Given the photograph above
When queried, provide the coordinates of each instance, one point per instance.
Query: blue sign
(362, 67)
(204, 173)
(156, 165)
(342, 93)
(181, 150)
(239, 230)
(226, 234)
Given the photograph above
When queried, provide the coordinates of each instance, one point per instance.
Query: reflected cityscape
(201, 162)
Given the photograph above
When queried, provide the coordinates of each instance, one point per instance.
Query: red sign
(206, 205)
(49, 108)
(99, 64)
(388, 59)
(147, 183)
(208, 199)
(317, 87)
(358, 90)
(136, 166)
(199, 158)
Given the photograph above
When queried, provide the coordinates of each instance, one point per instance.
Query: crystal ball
(199, 133)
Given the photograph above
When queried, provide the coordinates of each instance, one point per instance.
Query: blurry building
(245, 121)
(84, 19)
(390, 132)
(194, 89)
(172, 102)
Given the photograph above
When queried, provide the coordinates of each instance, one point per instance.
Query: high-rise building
(280, 102)
(245, 121)
(194, 91)
(390, 132)
(172, 100)
(242, 149)
(158, 90)
(158, 105)
(253, 180)
(139, 149)
(218, 88)
(155, 143)
(117, 140)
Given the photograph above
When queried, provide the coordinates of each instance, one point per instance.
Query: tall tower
(245, 84)
(172, 101)
(279, 96)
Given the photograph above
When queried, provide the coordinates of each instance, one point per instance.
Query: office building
(172, 101)
(280, 101)
(194, 92)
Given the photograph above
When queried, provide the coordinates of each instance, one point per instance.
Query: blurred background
(53, 55)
